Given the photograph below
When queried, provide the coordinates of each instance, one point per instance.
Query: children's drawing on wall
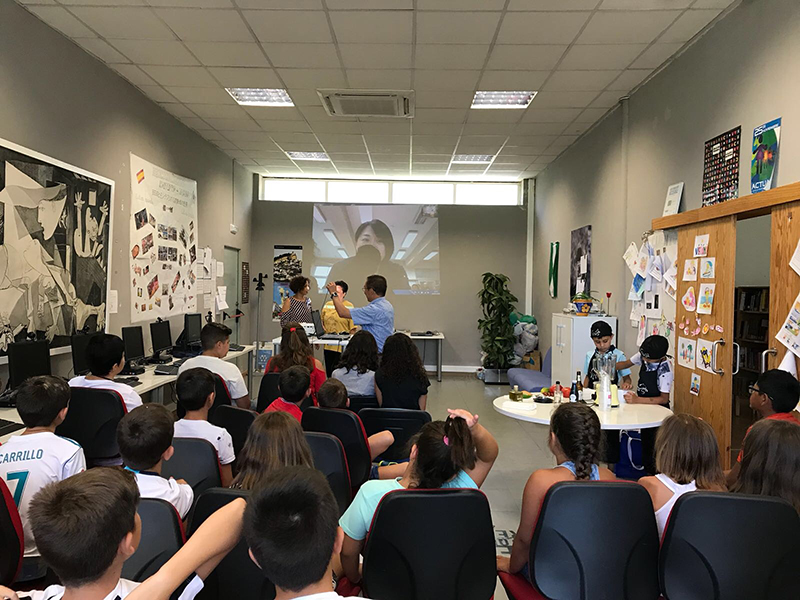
(701, 245)
(694, 386)
(686, 348)
(704, 353)
(708, 268)
(580, 262)
(705, 302)
(690, 269)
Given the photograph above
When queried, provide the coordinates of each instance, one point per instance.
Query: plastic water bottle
(558, 395)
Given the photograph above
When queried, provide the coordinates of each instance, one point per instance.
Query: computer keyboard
(235, 348)
(130, 381)
(167, 370)
(7, 427)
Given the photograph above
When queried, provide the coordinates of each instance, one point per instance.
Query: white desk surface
(626, 416)
(148, 381)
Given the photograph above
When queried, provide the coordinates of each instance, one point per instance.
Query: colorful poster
(287, 262)
(789, 334)
(766, 141)
(690, 269)
(694, 386)
(686, 349)
(721, 167)
(704, 353)
(705, 301)
(163, 242)
(708, 268)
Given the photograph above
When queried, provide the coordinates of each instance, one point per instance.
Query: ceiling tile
(315, 114)
(568, 81)
(590, 115)
(372, 27)
(370, 56)
(228, 54)
(428, 140)
(601, 56)
(210, 25)
(155, 52)
(30, 2)
(440, 115)
(456, 27)
(102, 50)
(243, 124)
(390, 79)
(577, 128)
(60, 19)
(713, 3)
(437, 129)
(174, 3)
(445, 80)
(182, 76)
(526, 57)
(176, 109)
(541, 27)
(428, 99)
(539, 128)
(550, 115)
(656, 55)
(434, 148)
(370, 4)
(312, 78)
(348, 138)
(512, 80)
(606, 100)
(629, 79)
(310, 56)
(275, 125)
(626, 27)
(547, 5)
(348, 147)
(124, 23)
(488, 129)
(158, 93)
(450, 56)
(218, 111)
(302, 97)
(133, 74)
(495, 116)
(398, 140)
(688, 25)
(282, 113)
(289, 25)
(198, 95)
(401, 127)
(245, 77)
(195, 123)
(644, 4)
(563, 99)
(337, 127)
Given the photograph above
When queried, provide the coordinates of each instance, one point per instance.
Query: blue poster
(766, 140)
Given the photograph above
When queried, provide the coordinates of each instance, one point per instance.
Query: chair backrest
(448, 554)
(194, 461)
(162, 537)
(92, 421)
(732, 547)
(329, 457)
(404, 424)
(596, 539)
(237, 576)
(222, 397)
(346, 426)
(357, 403)
(12, 539)
(268, 391)
(235, 421)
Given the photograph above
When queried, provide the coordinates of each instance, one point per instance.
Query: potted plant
(497, 333)
(583, 303)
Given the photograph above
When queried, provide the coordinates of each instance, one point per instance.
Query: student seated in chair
(195, 389)
(215, 339)
(38, 456)
(86, 527)
(290, 525)
(294, 385)
(145, 436)
(401, 381)
(105, 355)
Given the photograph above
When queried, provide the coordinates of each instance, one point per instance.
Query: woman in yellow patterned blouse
(333, 323)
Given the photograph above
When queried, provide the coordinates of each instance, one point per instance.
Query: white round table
(626, 416)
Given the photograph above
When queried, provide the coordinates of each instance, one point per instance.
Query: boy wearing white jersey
(215, 339)
(144, 437)
(105, 355)
(195, 388)
(30, 461)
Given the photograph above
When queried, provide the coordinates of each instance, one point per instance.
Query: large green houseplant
(497, 333)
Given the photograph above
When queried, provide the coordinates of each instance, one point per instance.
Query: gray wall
(58, 100)
(472, 240)
(734, 75)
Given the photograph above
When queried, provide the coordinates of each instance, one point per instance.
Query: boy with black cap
(603, 336)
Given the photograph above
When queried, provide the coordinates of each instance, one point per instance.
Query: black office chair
(593, 540)
(222, 397)
(346, 426)
(237, 576)
(92, 421)
(12, 539)
(268, 391)
(404, 424)
(162, 537)
(720, 546)
(329, 457)
(448, 553)
(196, 462)
(235, 421)
(357, 403)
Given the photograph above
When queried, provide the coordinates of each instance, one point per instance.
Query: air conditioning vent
(368, 103)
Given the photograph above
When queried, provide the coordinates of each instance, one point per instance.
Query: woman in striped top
(297, 309)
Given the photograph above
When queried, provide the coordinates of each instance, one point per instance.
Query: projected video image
(399, 242)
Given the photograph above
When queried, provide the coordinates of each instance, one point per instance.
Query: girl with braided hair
(575, 441)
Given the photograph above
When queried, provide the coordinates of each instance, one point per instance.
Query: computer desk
(151, 383)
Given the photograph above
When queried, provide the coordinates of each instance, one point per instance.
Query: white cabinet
(571, 341)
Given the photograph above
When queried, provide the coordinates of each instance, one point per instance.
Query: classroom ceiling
(580, 56)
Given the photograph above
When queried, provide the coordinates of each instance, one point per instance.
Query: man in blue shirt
(377, 317)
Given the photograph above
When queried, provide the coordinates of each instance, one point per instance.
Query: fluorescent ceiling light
(332, 238)
(488, 194)
(472, 159)
(355, 192)
(400, 254)
(260, 96)
(307, 155)
(321, 271)
(318, 217)
(342, 253)
(517, 99)
(294, 190)
(430, 256)
(422, 193)
(409, 239)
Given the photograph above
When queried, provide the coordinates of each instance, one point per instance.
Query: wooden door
(784, 283)
(713, 404)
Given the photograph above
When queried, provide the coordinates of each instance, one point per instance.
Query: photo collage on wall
(721, 167)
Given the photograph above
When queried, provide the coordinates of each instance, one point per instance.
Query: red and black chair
(593, 540)
(92, 421)
(330, 459)
(162, 537)
(357, 403)
(196, 462)
(404, 424)
(236, 421)
(268, 391)
(448, 553)
(346, 426)
(12, 539)
(720, 546)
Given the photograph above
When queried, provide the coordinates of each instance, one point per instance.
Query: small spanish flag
(140, 176)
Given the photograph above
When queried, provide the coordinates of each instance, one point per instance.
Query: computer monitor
(79, 342)
(162, 339)
(134, 343)
(192, 324)
(27, 359)
(319, 330)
